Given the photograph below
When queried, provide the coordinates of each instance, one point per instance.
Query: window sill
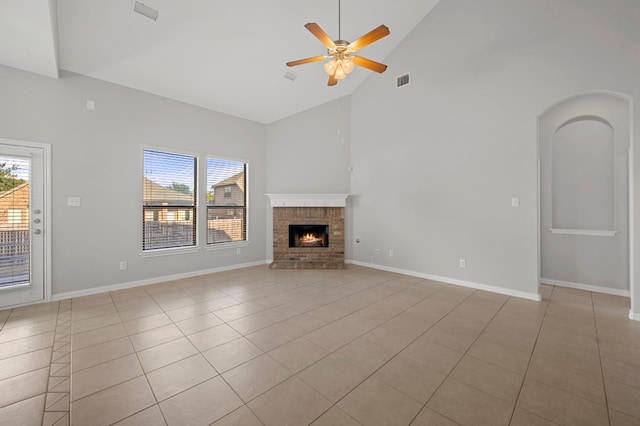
(227, 246)
(588, 232)
(169, 251)
(22, 286)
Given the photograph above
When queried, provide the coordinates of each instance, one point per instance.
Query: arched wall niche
(586, 118)
(583, 173)
(583, 145)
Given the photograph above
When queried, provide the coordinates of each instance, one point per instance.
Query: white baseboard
(455, 281)
(586, 287)
(155, 280)
(446, 280)
(634, 316)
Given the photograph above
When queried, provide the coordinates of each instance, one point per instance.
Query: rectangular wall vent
(145, 10)
(402, 80)
(290, 75)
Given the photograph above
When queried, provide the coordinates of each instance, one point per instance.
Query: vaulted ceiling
(225, 55)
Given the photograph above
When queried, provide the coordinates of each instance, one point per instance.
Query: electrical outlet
(123, 265)
(238, 250)
(390, 253)
(73, 201)
(378, 251)
(463, 263)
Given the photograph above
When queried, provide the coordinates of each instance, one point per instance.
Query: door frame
(630, 186)
(46, 173)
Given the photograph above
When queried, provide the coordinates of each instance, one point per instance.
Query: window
(169, 200)
(227, 201)
(14, 216)
(170, 188)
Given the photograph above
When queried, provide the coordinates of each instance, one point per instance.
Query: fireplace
(308, 235)
(308, 231)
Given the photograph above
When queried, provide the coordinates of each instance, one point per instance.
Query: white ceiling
(225, 55)
(28, 36)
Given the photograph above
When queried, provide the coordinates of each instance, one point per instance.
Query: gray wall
(308, 153)
(96, 155)
(437, 162)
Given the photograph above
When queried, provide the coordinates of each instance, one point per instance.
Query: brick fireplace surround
(316, 209)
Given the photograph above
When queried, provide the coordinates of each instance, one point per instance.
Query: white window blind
(226, 201)
(169, 200)
(15, 235)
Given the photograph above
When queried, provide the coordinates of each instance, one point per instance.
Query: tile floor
(350, 347)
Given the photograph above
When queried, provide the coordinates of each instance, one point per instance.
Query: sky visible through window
(219, 170)
(22, 170)
(165, 169)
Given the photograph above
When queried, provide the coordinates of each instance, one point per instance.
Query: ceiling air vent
(402, 80)
(145, 10)
(291, 75)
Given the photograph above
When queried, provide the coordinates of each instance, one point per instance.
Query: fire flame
(310, 239)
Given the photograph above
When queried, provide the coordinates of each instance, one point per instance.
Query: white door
(22, 224)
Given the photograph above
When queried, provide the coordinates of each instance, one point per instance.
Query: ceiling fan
(341, 52)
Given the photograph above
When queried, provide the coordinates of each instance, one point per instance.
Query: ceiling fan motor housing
(341, 50)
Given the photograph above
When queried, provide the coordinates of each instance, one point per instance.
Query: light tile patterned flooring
(356, 346)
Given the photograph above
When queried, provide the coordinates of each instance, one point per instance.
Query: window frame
(201, 205)
(231, 244)
(181, 249)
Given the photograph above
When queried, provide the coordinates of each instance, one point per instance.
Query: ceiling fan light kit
(343, 60)
(341, 64)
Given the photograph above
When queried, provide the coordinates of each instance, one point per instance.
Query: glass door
(22, 230)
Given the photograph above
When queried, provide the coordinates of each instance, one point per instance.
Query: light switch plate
(73, 201)
(515, 202)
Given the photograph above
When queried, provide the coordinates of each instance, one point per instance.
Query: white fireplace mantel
(308, 200)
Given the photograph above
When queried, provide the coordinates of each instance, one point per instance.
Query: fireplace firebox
(308, 235)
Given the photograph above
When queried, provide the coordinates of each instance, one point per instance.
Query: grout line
(296, 374)
(66, 309)
(462, 357)
(526, 372)
(393, 357)
(46, 389)
(604, 383)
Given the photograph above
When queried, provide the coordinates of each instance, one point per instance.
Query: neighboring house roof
(13, 190)
(237, 179)
(236, 196)
(156, 194)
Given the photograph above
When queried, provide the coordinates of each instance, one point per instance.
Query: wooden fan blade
(369, 64)
(370, 37)
(320, 34)
(305, 61)
(332, 81)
